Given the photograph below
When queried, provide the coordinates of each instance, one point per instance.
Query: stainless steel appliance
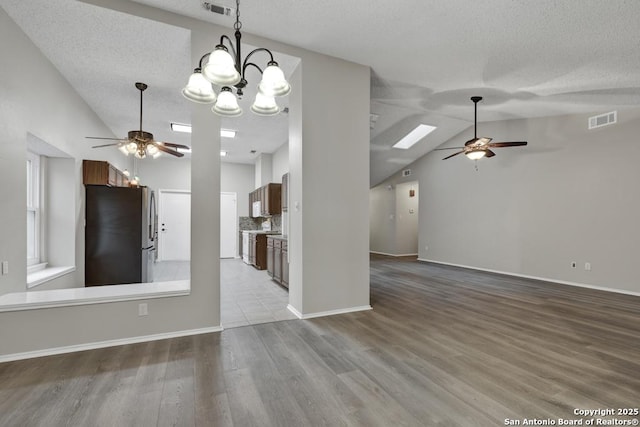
(120, 235)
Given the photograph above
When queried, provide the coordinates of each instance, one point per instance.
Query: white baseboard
(544, 279)
(396, 255)
(327, 313)
(109, 343)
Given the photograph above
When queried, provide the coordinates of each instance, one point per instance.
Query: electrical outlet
(143, 309)
(573, 264)
(587, 266)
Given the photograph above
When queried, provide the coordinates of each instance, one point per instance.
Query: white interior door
(174, 215)
(228, 225)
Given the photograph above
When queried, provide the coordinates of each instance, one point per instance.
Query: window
(33, 209)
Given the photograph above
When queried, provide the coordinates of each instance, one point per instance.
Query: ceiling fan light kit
(140, 143)
(477, 148)
(228, 71)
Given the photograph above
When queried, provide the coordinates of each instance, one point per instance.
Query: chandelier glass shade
(228, 71)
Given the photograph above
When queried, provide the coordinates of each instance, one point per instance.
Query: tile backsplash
(248, 223)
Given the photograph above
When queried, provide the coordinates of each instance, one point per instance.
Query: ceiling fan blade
(454, 154)
(105, 145)
(508, 144)
(99, 137)
(168, 150)
(489, 153)
(171, 144)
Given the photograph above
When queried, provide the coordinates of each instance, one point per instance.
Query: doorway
(174, 220)
(228, 225)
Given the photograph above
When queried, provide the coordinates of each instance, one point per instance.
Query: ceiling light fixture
(227, 133)
(225, 70)
(414, 136)
(179, 127)
(476, 154)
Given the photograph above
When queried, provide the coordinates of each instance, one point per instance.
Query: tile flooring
(248, 296)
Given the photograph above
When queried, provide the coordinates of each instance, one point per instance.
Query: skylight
(414, 136)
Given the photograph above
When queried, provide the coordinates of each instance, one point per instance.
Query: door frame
(161, 214)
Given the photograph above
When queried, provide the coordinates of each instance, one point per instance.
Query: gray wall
(570, 195)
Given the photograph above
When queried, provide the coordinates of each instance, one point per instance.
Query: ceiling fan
(141, 143)
(478, 148)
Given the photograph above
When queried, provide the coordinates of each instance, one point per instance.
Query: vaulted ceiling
(427, 57)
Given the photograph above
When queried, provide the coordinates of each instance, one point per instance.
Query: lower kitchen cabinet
(258, 250)
(285, 265)
(278, 261)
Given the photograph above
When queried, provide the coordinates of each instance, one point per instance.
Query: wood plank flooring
(444, 346)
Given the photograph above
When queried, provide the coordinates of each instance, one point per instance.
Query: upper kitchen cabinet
(96, 172)
(266, 200)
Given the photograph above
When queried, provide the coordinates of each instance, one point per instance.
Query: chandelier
(228, 71)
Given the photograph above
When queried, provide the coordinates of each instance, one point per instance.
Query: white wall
(238, 178)
(24, 110)
(329, 218)
(165, 173)
(394, 217)
(570, 195)
(382, 219)
(407, 219)
(280, 162)
(63, 120)
(263, 170)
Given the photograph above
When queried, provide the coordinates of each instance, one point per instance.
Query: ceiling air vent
(603, 120)
(216, 8)
(406, 172)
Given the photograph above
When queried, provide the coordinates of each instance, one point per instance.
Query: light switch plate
(5, 267)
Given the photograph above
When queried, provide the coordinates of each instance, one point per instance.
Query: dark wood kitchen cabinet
(270, 243)
(95, 172)
(278, 260)
(258, 250)
(269, 197)
(285, 264)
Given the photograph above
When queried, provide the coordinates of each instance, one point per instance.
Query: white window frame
(34, 194)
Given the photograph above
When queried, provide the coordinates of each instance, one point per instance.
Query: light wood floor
(443, 347)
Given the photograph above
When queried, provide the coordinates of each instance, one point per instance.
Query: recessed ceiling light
(227, 133)
(180, 127)
(414, 136)
(223, 153)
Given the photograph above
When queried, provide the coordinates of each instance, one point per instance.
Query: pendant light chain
(238, 25)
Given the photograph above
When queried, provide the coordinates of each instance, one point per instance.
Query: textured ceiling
(528, 59)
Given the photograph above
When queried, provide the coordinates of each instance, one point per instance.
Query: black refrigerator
(120, 235)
